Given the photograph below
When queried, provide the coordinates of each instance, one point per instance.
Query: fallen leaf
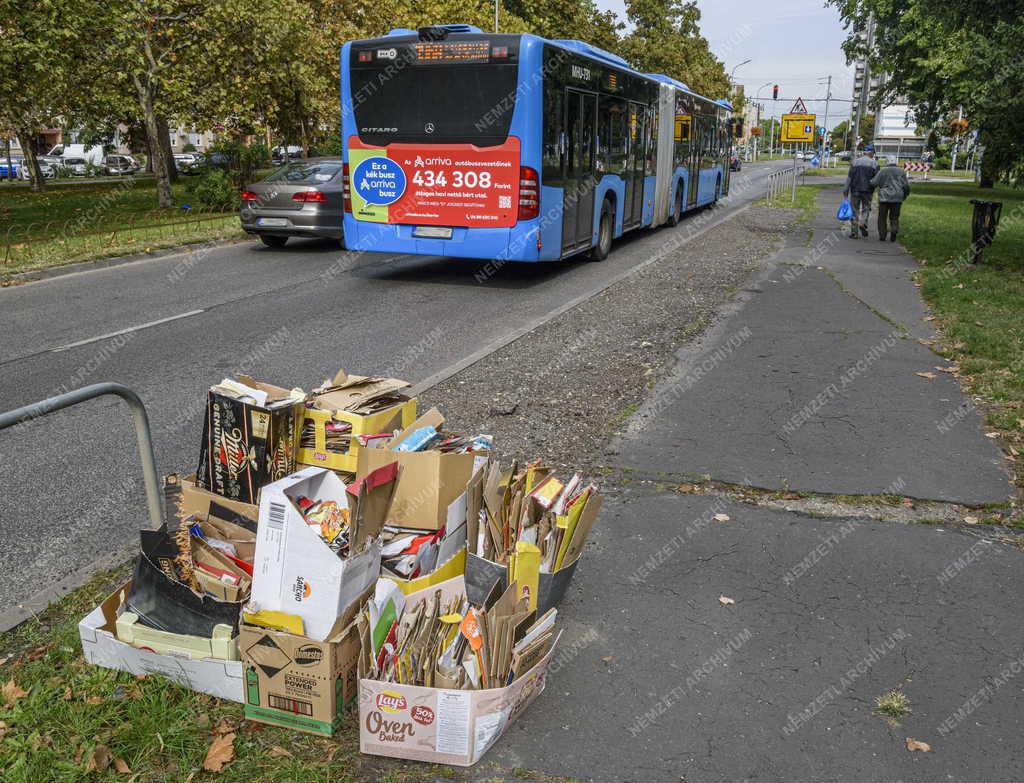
(722, 517)
(978, 323)
(220, 752)
(67, 693)
(928, 375)
(908, 502)
(277, 752)
(3, 729)
(928, 318)
(991, 434)
(913, 744)
(122, 766)
(689, 489)
(78, 755)
(608, 658)
(971, 520)
(94, 700)
(99, 760)
(959, 285)
(725, 600)
(10, 692)
(38, 652)
(333, 752)
(790, 496)
(951, 370)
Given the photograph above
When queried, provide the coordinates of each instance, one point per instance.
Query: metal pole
(496, 3)
(149, 474)
(824, 124)
(794, 178)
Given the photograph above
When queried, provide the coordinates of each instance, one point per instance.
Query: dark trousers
(888, 212)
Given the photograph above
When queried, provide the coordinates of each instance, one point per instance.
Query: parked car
(300, 199)
(119, 165)
(22, 173)
(75, 166)
(845, 155)
(278, 154)
(61, 153)
(17, 164)
(734, 162)
(189, 163)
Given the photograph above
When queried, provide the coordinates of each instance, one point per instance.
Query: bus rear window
(464, 103)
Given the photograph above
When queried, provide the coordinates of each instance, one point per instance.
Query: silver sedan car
(302, 199)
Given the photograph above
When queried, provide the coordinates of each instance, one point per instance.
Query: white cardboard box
(294, 571)
(101, 647)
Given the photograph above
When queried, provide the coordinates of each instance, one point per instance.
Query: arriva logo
(387, 54)
(389, 701)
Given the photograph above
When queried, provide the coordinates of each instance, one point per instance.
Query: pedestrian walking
(859, 189)
(893, 189)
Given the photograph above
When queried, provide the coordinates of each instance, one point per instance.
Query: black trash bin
(983, 224)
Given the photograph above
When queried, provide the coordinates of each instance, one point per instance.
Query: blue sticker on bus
(379, 181)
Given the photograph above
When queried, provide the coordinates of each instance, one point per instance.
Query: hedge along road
(71, 497)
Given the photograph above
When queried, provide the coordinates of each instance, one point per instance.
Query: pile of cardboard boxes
(334, 549)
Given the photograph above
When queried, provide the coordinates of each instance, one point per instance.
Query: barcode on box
(275, 519)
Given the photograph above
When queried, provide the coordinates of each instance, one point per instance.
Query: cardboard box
(196, 500)
(101, 647)
(438, 725)
(294, 571)
(481, 574)
(429, 481)
(299, 683)
(247, 446)
(335, 403)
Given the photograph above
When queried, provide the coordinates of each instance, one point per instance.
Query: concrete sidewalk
(708, 641)
(814, 385)
(658, 682)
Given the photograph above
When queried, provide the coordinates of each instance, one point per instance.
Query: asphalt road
(70, 488)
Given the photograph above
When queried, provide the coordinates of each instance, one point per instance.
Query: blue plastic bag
(845, 211)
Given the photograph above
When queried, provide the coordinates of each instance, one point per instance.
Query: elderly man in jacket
(893, 189)
(858, 189)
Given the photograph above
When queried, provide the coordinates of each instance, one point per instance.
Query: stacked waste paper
(334, 549)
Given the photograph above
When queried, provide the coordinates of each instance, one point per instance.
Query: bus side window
(554, 141)
(614, 112)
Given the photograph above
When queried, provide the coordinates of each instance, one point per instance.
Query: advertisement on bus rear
(434, 184)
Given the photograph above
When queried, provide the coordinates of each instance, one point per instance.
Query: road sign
(799, 107)
(797, 127)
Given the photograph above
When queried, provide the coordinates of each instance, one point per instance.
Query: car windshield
(73, 161)
(306, 173)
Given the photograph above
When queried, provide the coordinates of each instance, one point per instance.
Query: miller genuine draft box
(248, 442)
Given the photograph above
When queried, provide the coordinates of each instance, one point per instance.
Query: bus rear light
(529, 193)
(346, 192)
(248, 195)
(310, 197)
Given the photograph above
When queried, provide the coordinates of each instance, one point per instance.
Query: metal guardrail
(782, 180)
(149, 474)
(22, 244)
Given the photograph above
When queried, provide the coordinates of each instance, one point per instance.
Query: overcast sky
(792, 43)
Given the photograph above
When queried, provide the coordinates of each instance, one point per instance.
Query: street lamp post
(733, 71)
(757, 98)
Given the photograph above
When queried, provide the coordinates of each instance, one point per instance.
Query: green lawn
(76, 222)
(805, 201)
(979, 309)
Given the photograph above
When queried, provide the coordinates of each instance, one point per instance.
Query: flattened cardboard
(101, 647)
(294, 571)
(481, 574)
(196, 500)
(299, 683)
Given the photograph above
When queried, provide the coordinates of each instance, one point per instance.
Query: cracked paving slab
(821, 396)
(657, 680)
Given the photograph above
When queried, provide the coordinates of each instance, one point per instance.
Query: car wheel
(603, 247)
(273, 241)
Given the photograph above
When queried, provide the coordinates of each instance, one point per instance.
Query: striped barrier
(917, 166)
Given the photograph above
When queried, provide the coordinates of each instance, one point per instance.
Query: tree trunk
(10, 163)
(165, 142)
(987, 179)
(164, 195)
(34, 172)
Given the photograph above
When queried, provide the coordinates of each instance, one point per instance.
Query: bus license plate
(273, 222)
(432, 232)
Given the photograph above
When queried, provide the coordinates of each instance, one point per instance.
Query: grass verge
(805, 202)
(78, 722)
(979, 309)
(69, 223)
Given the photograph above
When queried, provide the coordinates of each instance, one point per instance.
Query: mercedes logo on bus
(429, 127)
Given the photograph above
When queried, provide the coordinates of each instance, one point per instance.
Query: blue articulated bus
(465, 144)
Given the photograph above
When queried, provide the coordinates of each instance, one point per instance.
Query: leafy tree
(666, 39)
(947, 54)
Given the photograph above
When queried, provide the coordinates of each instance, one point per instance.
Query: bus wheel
(604, 234)
(677, 206)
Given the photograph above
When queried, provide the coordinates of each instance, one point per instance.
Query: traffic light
(775, 92)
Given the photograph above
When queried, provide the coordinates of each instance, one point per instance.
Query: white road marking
(138, 328)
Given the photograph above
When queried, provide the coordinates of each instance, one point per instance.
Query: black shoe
(892, 237)
(863, 230)
(853, 235)
(881, 237)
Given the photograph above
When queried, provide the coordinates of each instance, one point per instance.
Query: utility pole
(824, 124)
